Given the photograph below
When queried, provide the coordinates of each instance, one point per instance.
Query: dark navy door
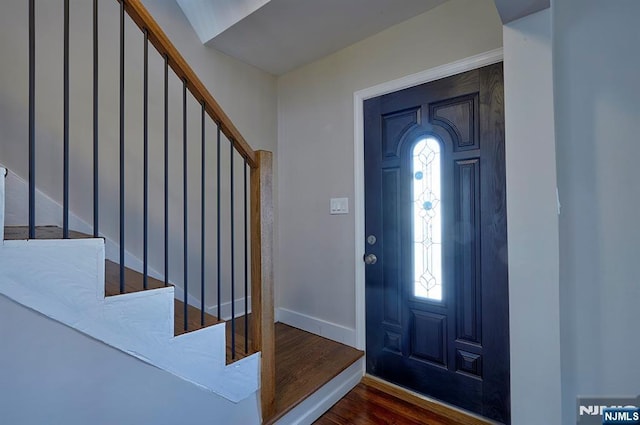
(436, 274)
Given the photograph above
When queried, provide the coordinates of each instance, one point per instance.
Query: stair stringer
(64, 280)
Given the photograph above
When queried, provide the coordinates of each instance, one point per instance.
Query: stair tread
(134, 283)
(42, 232)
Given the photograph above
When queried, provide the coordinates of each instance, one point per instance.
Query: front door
(436, 274)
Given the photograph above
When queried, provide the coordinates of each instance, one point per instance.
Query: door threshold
(433, 405)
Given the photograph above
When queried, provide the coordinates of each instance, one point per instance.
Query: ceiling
(280, 35)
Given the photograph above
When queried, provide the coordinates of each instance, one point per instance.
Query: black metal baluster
(184, 189)
(202, 216)
(65, 161)
(95, 121)
(145, 208)
(218, 253)
(233, 258)
(166, 170)
(122, 199)
(246, 264)
(32, 116)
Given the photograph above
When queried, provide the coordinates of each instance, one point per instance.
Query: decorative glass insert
(427, 220)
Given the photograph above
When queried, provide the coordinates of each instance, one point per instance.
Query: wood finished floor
(304, 363)
(134, 283)
(366, 405)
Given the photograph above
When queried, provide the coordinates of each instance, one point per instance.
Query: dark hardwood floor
(367, 405)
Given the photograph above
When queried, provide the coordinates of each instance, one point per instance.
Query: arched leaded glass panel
(427, 219)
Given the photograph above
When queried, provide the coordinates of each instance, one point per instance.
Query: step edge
(314, 406)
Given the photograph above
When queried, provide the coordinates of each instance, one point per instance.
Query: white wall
(315, 268)
(597, 66)
(54, 374)
(532, 220)
(247, 95)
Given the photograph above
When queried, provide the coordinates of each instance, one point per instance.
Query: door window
(427, 219)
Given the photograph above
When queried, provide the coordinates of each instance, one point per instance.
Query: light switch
(339, 206)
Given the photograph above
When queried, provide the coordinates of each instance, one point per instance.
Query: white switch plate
(339, 206)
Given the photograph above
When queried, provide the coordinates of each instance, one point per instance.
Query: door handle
(370, 259)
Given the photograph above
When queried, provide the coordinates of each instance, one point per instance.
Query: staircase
(194, 295)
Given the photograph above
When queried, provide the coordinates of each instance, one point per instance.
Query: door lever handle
(370, 259)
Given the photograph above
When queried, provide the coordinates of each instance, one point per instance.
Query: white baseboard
(317, 326)
(226, 308)
(319, 402)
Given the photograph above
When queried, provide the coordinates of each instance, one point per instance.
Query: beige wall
(315, 271)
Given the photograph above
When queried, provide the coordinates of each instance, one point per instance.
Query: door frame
(447, 70)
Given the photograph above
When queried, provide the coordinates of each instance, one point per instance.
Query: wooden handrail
(160, 41)
(262, 330)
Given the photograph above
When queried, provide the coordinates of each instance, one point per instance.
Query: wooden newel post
(262, 331)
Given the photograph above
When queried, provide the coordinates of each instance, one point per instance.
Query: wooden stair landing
(134, 283)
(304, 363)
